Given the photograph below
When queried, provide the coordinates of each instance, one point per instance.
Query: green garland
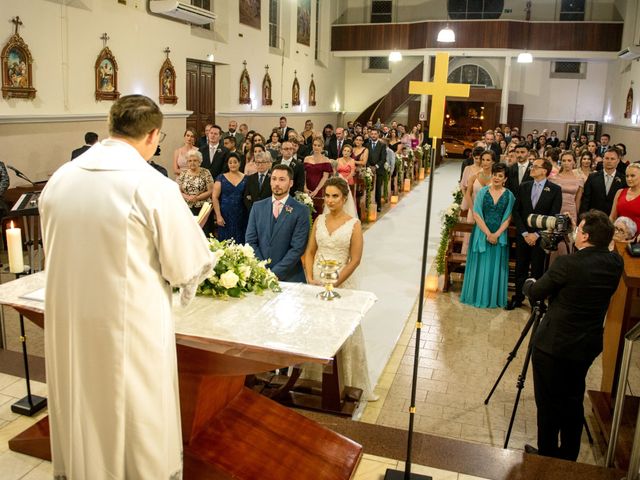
(368, 188)
(449, 219)
(385, 189)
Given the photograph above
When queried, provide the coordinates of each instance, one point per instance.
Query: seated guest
(601, 187)
(543, 198)
(258, 184)
(487, 271)
(585, 167)
(279, 227)
(296, 165)
(250, 166)
(204, 139)
(180, 154)
(274, 143)
(626, 202)
(625, 230)
(230, 144)
(228, 193)
(159, 168)
(90, 138)
(196, 183)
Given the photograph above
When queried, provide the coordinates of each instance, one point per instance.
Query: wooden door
(200, 94)
(514, 115)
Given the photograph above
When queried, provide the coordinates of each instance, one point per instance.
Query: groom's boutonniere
(288, 208)
(546, 189)
(617, 179)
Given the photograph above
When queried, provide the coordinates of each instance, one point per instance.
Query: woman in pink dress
(627, 200)
(347, 168)
(572, 185)
(180, 155)
(585, 167)
(317, 168)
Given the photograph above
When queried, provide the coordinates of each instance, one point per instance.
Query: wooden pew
(454, 258)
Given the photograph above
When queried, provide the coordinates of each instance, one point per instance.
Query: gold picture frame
(17, 67)
(167, 82)
(106, 73)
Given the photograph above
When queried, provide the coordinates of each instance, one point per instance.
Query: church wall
(359, 11)
(551, 102)
(64, 41)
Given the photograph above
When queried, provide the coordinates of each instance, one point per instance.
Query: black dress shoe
(513, 304)
(530, 449)
(379, 209)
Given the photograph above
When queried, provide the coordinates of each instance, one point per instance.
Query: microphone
(19, 174)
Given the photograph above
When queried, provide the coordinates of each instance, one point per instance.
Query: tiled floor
(463, 350)
(14, 466)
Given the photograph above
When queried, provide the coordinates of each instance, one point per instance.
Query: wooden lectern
(622, 315)
(229, 431)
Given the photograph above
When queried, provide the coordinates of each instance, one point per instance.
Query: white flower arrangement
(237, 272)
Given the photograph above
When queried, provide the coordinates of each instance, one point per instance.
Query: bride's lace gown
(352, 355)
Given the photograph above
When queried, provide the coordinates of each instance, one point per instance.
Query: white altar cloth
(292, 321)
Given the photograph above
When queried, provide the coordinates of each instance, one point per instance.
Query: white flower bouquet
(307, 201)
(237, 272)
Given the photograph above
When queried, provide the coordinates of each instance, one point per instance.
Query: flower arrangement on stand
(450, 217)
(368, 188)
(386, 174)
(426, 157)
(400, 174)
(307, 201)
(237, 272)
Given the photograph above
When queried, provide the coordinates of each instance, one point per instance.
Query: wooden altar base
(603, 411)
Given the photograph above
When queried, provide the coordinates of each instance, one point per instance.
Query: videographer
(534, 197)
(569, 337)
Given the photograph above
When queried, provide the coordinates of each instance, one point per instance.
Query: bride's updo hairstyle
(338, 182)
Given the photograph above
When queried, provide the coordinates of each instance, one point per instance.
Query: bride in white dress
(337, 235)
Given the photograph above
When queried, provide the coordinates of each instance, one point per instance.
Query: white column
(426, 76)
(504, 101)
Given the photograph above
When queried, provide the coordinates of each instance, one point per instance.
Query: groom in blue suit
(279, 228)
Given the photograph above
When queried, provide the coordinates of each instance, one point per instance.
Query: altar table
(228, 430)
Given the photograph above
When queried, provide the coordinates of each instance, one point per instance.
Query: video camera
(553, 229)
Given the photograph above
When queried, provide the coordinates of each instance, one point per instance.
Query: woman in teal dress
(487, 270)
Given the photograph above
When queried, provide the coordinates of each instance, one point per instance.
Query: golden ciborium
(329, 276)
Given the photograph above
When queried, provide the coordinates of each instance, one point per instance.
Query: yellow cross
(439, 89)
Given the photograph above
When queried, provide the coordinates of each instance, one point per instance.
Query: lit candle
(407, 185)
(14, 248)
(394, 198)
(421, 174)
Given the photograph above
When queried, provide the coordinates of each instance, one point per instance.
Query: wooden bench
(455, 259)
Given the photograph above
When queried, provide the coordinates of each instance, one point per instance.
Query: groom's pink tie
(277, 207)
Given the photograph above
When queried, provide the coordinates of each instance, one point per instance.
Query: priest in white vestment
(117, 236)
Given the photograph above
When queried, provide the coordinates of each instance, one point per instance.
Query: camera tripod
(538, 311)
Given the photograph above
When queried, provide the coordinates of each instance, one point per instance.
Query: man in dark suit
(204, 139)
(258, 185)
(296, 165)
(605, 144)
(214, 155)
(234, 133)
(520, 171)
(283, 129)
(601, 187)
(377, 160)
(490, 142)
(337, 141)
(569, 336)
(279, 227)
(541, 197)
(90, 138)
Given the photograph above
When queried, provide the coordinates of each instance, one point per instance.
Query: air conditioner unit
(182, 11)
(629, 53)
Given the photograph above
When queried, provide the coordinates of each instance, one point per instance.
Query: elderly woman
(196, 183)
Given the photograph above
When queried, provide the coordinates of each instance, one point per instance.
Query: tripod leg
(535, 315)
(588, 432)
(511, 356)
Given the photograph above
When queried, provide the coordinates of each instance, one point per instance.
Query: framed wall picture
(167, 80)
(266, 87)
(250, 13)
(106, 73)
(628, 106)
(573, 132)
(245, 86)
(17, 67)
(303, 35)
